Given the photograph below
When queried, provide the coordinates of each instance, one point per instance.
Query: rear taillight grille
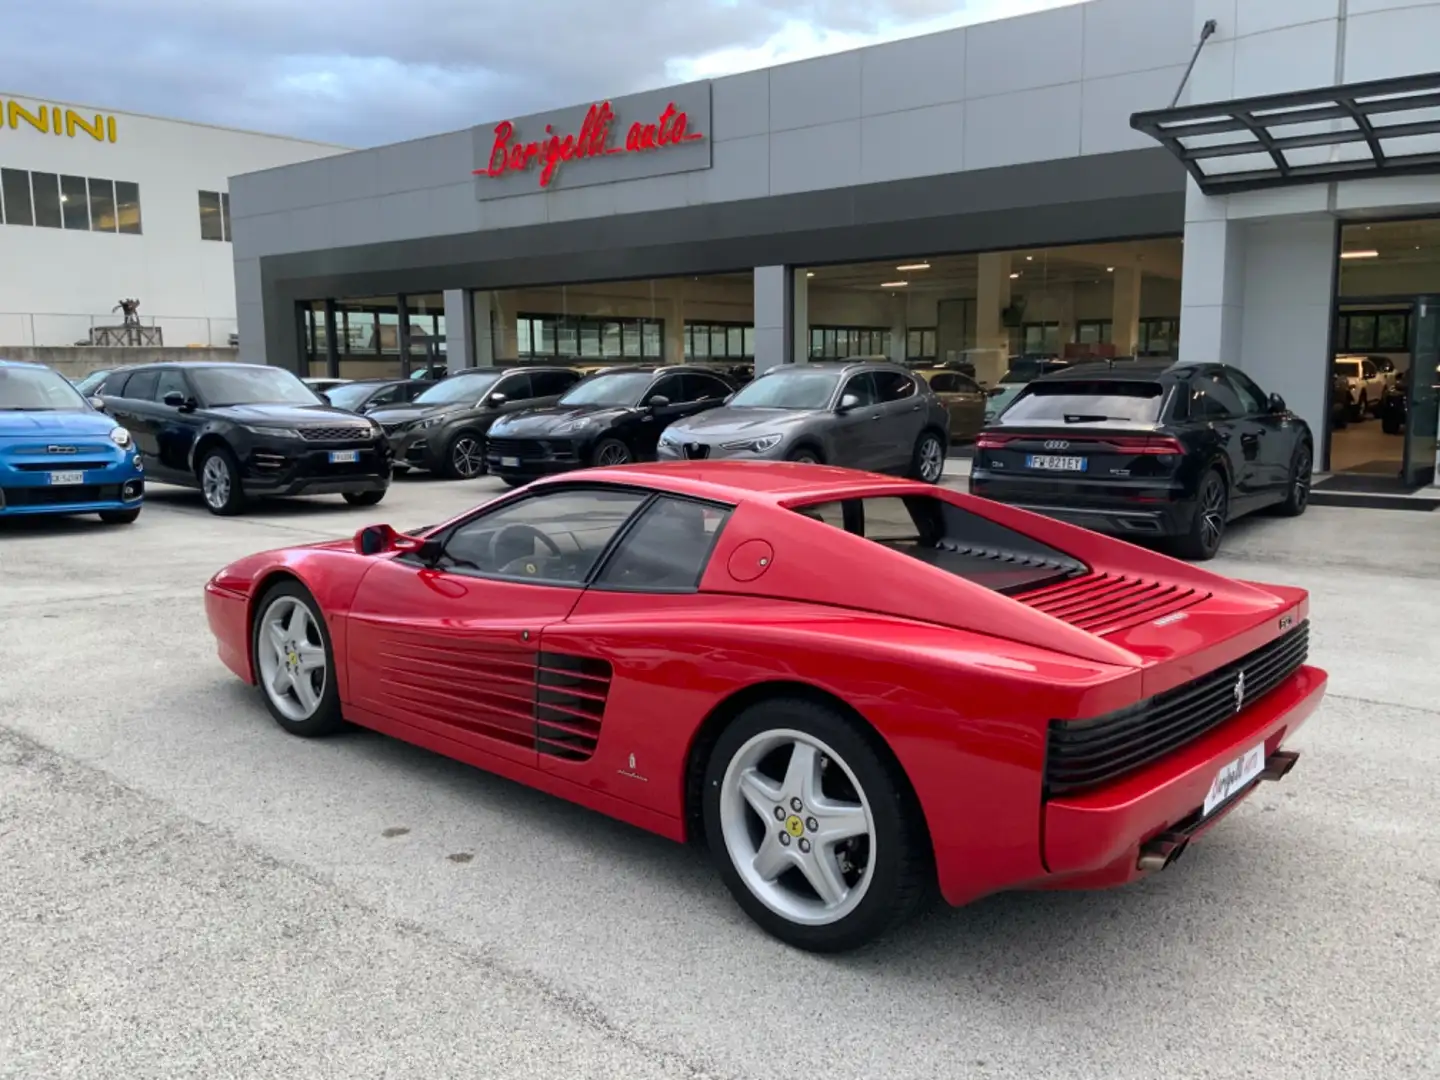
(570, 699)
(1085, 754)
(1111, 444)
(1106, 603)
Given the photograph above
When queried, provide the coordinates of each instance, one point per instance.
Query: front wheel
(363, 498)
(220, 482)
(1297, 491)
(1212, 515)
(464, 457)
(803, 456)
(294, 662)
(120, 517)
(611, 452)
(813, 828)
(927, 463)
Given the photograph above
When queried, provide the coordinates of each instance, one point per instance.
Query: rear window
(1349, 368)
(1073, 402)
(950, 538)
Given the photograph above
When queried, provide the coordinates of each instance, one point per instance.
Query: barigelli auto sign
(595, 139)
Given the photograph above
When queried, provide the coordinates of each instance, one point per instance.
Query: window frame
(607, 556)
(649, 497)
(211, 215)
(137, 373)
(1245, 386)
(186, 387)
(853, 378)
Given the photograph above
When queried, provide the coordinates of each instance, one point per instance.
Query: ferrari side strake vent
(1106, 603)
(570, 695)
(1057, 562)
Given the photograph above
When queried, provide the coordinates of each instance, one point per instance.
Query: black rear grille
(570, 698)
(524, 449)
(1084, 754)
(62, 464)
(347, 433)
(60, 494)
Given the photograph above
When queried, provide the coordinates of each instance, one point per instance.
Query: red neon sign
(507, 155)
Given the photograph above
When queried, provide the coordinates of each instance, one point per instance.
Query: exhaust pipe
(1279, 763)
(1160, 852)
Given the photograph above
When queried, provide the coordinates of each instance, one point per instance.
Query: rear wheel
(813, 828)
(294, 662)
(927, 463)
(1207, 529)
(1297, 492)
(120, 517)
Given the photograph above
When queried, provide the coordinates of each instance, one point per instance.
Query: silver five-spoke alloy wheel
(466, 457)
(215, 482)
(797, 827)
(932, 459)
(291, 656)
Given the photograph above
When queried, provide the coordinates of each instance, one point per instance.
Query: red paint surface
(510, 154)
(959, 681)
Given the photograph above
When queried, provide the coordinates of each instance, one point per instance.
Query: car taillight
(993, 442)
(1149, 444)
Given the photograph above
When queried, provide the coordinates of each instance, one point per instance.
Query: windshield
(250, 384)
(1349, 368)
(90, 383)
(1025, 371)
(788, 390)
(1073, 402)
(350, 395)
(38, 389)
(618, 388)
(460, 388)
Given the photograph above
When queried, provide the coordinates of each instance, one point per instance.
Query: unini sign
(508, 155)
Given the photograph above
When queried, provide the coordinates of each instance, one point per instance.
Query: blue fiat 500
(59, 455)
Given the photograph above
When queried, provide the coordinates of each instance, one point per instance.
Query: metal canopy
(1388, 127)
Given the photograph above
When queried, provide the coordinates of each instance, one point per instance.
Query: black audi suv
(238, 431)
(1147, 450)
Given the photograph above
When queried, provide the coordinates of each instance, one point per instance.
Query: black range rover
(236, 431)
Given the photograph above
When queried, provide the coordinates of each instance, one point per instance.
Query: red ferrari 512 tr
(857, 689)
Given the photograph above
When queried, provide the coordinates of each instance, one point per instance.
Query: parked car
(242, 431)
(870, 415)
(59, 455)
(322, 386)
(1342, 397)
(91, 382)
(963, 398)
(431, 372)
(611, 418)
(365, 395)
(1386, 366)
(1367, 384)
(1148, 451)
(859, 692)
(445, 428)
(1019, 375)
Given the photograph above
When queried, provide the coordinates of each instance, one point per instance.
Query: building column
(459, 330)
(480, 306)
(402, 333)
(495, 322)
(1125, 310)
(774, 326)
(1212, 291)
(675, 329)
(899, 327)
(332, 346)
(799, 317)
(992, 296)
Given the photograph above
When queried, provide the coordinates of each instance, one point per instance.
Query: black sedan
(1147, 451)
(444, 429)
(236, 431)
(365, 395)
(612, 418)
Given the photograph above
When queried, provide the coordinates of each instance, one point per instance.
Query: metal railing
(33, 329)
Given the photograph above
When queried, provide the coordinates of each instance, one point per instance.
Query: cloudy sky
(364, 72)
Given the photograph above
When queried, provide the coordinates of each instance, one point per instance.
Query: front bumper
(228, 613)
(529, 459)
(1122, 508)
(308, 470)
(1110, 836)
(26, 486)
(695, 450)
(418, 448)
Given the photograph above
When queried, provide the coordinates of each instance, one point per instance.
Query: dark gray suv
(868, 414)
(443, 430)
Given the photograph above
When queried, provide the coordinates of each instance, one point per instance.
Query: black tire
(326, 719)
(513, 482)
(1357, 412)
(1202, 541)
(120, 517)
(900, 869)
(1390, 425)
(805, 455)
(399, 470)
(363, 498)
(233, 500)
(455, 465)
(921, 460)
(611, 452)
(1341, 419)
(1297, 492)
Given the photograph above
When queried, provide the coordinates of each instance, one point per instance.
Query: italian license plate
(1053, 463)
(509, 462)
(57, 478)
(344, 457)
(1234, 776)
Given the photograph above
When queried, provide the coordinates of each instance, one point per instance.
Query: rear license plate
(1233, 777)
(509, 462)
(1051, 463)
(67, 478)
(344, 457)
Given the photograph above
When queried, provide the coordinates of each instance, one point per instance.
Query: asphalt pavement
(185, 891)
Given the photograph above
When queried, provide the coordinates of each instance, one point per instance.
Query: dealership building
(1248, 181)
(99, 206)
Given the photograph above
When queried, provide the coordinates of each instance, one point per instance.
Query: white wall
(55, 283)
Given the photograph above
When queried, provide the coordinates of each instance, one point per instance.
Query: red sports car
(857, 689)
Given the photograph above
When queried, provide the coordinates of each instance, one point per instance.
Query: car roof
(747, 481)
(1122, 369)
(19, 363)
(655, 369)
(842, 366)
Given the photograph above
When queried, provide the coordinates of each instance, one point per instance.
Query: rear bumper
(1134, 510)
(1097, 839)
(227, 613)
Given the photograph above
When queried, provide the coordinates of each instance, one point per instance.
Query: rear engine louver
(1106, 603)
(569, 703)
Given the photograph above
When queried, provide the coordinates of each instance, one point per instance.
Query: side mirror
(1277, 403)
(496, 400)
(659, 401)
(848, 402)
(380, 539)
(97, 403)
(175, 399)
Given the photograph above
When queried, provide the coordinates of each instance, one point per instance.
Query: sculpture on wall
(130, 308)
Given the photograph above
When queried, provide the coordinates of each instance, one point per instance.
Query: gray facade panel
(438, 161)
(1024, 53)
(812, 158)
(815, 92)
(924, 140)
(741, 104)
(913, 73)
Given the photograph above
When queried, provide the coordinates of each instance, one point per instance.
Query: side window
(141, 386)
(863, 387)
(552, 539)
(702, 387)
(413, 388)
(944, 382)
(171, 381)
(552, 383)
(894, 385)
(515, 387)
(1252, 398)
(113, 384)
(670, 386)
(1212, 399)
(1369, 369)
(967, 385)
(666, 549)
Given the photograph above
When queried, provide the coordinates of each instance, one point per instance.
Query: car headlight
(570, 427)
(273, 432)
(669, 438)
(120, 437)
(430, 422)
(755, 446)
